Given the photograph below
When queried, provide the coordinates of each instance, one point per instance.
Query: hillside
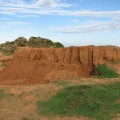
(72, 92)
(8, 48)
(42, 65)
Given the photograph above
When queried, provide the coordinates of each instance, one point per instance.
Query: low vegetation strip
(106, 72)
(8, 48)
(1, 93)
(4, 95)
(93, 101)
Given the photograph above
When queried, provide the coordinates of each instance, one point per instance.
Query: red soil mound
(41, 65)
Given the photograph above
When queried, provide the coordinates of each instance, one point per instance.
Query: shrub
(49, 42)
(58, 45)
(21, 42)
(106, 72)
(9, 47)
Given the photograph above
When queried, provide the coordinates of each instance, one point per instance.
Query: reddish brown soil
(4, 58)
(42, 65)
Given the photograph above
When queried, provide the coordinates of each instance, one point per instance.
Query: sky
(71, 22)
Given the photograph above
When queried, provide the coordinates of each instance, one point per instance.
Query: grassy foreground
(99, 102)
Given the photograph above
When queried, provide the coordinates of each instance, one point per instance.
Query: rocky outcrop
(41, 65)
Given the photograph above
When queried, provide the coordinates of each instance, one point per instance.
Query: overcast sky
(72, 22)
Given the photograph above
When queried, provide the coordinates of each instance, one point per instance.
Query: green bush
(20, 42)
(58, 45)
(9, 47)
(106, 72)
(49, 42)
(94, 101)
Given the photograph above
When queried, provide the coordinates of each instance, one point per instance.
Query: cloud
(27, 8)
(33, 3)
(51, 3)
(49, 7)
(90, 27)
(14, 23)
(6, 25)
(38, 7)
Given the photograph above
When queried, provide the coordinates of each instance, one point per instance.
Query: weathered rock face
(41, 65)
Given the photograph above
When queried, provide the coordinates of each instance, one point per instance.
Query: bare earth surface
(19, 102)
(42, 65)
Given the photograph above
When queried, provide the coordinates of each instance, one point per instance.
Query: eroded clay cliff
(42, 65)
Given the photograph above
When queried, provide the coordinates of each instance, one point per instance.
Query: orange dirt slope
(42, 65)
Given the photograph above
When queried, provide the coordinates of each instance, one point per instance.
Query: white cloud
(38, 7)
(28, 8)
(90, 27)
(33, 3)
(47, 2)
(51, 3)
(6, 25)
(49, 7)
(15, 23)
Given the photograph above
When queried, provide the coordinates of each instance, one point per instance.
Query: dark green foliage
(5, 48)
(95, 101)
(49, 42)
(21, 42)
(58, 45)
(9, 47)
(106, 72)
(34, 41)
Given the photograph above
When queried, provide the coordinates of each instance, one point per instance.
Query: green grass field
(94, 101)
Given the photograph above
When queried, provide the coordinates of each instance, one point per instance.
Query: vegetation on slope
(10, 47)
(106, 72)
(3, 95)
(100, 102)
